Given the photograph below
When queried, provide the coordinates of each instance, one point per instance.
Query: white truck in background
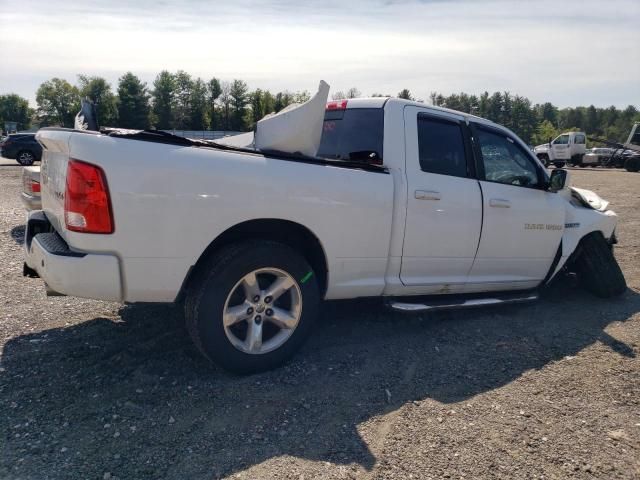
(401, 200)
(566, 149)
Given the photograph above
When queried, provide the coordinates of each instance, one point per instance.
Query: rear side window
(441, 147)
(580, 140)
(353, 134)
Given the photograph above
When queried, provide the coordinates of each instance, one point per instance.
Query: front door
(444, 203)
(561, 147)
(523, 222)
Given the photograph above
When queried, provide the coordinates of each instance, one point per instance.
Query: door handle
(427, 195)
(499, 203)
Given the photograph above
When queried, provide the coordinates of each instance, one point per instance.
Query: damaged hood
(589, 199)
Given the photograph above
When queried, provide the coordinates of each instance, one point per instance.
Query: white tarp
(295, 129)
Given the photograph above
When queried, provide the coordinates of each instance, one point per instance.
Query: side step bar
(446, 304)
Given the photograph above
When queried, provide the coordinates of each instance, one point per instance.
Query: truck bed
(171, 197)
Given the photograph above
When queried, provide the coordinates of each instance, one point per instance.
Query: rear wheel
(597, 268)
(632, 164)
(251, 306)
(25, 158)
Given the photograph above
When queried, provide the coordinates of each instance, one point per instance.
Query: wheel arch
(290, 233)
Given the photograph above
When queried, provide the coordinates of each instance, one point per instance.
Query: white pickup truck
(427, 207)
(567, 148)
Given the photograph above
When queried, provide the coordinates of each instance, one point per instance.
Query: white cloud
(571, 53)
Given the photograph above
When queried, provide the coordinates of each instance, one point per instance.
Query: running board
(445, 304)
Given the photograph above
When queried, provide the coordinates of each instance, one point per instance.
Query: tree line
(180, 101)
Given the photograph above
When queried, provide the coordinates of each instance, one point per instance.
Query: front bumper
(67, 271)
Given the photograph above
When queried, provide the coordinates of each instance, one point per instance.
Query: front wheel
(597, 268)
(251, 306)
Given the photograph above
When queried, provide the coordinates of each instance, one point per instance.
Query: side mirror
(550, 139)
(559, 179)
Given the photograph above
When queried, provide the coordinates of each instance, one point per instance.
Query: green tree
(545, 131)
(268, 102)
(225, 101)
(215, 90)
(302, 96)
(353, 92)
(181, 107)
(199, 103)
(405, 94)
(58, 103)
(133, 102)
(257, 106)
(591, 120)
(14, 108)
(282, 100)
(240, 99)
(98, 91)
(162, 97)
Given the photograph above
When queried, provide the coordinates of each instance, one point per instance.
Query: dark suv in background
(21, 147)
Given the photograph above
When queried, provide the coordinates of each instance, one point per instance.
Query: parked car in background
(31, 188)
(568, 148)
(596, 156)
(22, 147)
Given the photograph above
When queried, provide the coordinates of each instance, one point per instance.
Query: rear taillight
(337, 105)
(29, 185)
(87, 206)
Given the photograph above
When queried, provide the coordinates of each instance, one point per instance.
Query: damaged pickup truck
(427, 207)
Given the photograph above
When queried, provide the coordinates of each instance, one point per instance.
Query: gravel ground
(547, 390)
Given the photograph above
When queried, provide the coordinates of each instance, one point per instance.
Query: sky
(569, 52)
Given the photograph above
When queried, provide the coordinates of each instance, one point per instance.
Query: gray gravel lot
(547, 390)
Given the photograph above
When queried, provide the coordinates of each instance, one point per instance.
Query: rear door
(444, 203)
(523, 222)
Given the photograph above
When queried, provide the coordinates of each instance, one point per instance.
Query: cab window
(504, 161)
(441, 146)
(561, 140)
(353, 134)
(580, 140)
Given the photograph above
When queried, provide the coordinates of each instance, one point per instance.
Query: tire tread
(598, 269)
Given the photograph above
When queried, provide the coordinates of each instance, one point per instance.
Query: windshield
(353, 134)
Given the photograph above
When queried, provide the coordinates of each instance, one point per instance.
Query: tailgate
(53, 173)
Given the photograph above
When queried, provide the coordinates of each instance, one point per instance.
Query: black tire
(25, 158)
(215, 279)
(632, 164)
(559, 164)
(576, 161)
(597, 268)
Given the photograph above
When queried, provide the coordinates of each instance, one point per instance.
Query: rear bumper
(31, 202)
(67, 271)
